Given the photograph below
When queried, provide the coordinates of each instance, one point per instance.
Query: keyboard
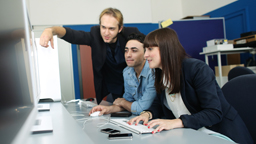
(139, 129)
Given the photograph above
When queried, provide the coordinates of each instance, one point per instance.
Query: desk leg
(220, 70)
(206, 59)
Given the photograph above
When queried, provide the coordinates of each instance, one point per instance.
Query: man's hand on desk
(119, 101)
(106, 109)
(122, 102)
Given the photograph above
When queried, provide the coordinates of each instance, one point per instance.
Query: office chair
(237, 71)
(240, 92)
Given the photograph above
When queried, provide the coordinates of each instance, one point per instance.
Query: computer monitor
(18, 83)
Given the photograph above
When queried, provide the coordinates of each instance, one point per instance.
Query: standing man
(138, 81)
(107, 42)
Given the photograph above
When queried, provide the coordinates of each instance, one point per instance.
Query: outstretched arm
(48, 34)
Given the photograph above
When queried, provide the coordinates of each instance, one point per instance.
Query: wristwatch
(149, 115)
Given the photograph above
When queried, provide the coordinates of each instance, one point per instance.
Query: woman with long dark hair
(188, 94)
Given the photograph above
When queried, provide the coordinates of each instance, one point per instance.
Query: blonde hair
(115, 13)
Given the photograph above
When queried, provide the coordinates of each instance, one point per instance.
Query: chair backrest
(240, 92)
(237, 71)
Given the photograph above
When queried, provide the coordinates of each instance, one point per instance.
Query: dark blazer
(205, 101)
(98, 49)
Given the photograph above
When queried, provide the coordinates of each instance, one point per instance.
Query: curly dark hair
(136, 36)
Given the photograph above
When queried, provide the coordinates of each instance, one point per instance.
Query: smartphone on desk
(110, 131)
(120, 136)
(121, 114)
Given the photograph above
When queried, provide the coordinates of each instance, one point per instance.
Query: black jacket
(205, 101)
(98, 49)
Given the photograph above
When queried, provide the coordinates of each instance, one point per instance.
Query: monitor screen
(17, 73)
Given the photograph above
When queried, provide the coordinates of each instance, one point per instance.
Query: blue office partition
(193, 35)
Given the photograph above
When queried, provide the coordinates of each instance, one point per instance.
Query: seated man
(138, 81)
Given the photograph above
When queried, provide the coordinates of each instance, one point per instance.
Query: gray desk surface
(65, 128)
(84, 129)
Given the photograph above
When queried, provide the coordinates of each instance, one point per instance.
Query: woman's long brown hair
(172, 54)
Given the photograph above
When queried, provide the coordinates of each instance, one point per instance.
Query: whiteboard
(49, 74)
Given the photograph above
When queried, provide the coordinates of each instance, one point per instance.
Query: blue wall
(193, 35)
(240, 17)
(144, 28)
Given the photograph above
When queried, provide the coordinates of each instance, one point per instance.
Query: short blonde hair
(115, 13)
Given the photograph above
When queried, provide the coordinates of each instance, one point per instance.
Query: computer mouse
(95, 114)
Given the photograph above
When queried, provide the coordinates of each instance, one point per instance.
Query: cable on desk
(92, 118)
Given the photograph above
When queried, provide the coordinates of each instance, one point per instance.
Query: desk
(65, 128)
(220, 52)
(68, 130)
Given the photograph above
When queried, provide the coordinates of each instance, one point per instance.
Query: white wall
(165, 9)
(64, 12)
(199, 7)
(67, 12)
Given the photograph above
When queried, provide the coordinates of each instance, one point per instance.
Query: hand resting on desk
(106, 109)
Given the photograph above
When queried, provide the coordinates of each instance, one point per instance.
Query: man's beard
(113, 39)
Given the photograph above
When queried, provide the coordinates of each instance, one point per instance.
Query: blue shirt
(141, 91)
